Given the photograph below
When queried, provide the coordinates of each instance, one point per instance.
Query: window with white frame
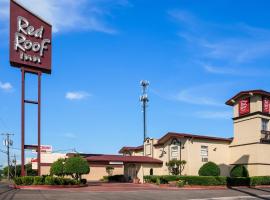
(204, 153)
(265, 123)
(148, 149)
(174, 151)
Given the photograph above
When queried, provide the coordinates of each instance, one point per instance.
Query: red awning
(124, 159)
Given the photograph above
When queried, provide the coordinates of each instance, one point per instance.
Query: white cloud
(204, 94)
(70, 135)
(214, 114)
(237, 48)
(78, 95)
(69, 15)
(6, 86)
(188, 96)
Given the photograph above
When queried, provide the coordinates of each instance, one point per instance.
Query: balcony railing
(265, 136)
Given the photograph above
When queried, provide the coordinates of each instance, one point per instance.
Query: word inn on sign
(25, 45)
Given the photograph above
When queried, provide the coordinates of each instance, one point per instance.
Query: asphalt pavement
(227, 194)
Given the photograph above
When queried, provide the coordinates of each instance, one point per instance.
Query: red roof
(138, 148)
(124, 159)
(170, 135)
(232, 100)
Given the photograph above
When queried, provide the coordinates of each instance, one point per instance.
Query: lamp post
(144, 100)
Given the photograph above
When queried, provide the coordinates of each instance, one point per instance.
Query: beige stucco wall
(218, 152)
(45, 170)
(97, 172)
(247, 130)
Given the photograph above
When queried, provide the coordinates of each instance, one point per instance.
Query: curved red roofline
(232, 100)
(170, 135)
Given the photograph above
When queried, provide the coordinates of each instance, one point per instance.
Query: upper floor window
(204, 153)
(265, 123)
(174, 152)
(148, 149)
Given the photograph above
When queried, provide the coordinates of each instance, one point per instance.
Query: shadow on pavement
(260, 189)
(8, 195)
(250, 193)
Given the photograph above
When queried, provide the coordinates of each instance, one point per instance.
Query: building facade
(250, 146)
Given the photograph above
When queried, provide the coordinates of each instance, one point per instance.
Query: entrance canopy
(122, 159)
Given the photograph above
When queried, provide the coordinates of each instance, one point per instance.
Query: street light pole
(144, 99)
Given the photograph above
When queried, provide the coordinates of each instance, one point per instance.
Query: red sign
(265, 105)
(30, 39)
(244, 106)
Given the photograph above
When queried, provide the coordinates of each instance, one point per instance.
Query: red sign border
(248, 109)
(263, 110)
(21, 65)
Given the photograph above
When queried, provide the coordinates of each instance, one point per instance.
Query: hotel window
(148, 149)
(265, 123)
(174, 152)
(204, 153)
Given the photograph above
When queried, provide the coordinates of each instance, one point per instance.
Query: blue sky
(195, 54)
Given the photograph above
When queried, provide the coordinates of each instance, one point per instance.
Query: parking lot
(139, 192)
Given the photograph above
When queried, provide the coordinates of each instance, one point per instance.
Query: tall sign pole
(30, 50)
(144, 99)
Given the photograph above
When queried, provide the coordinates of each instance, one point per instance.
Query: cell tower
(144, 100)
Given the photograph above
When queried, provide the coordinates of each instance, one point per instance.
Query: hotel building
(250, 146)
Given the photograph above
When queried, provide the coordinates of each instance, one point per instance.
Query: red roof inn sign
(30, 39)
(30, 50)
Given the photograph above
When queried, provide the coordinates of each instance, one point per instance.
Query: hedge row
(46, 180)
(189, 180)
(211, 180)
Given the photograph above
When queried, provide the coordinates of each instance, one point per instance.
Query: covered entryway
(133, 165)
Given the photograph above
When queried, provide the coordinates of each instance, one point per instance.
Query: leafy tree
(28, 169)
(57, 167)
(109, 170)
(176, 167)
(76, 167)
(209, 169)
(239, 171)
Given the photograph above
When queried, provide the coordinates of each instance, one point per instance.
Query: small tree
(109, 170)
(76, 167)
(209, 169)
(176, 167)
(57, 167)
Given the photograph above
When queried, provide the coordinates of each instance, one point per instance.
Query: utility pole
(8, 142)
(15, 165)
(144, 99)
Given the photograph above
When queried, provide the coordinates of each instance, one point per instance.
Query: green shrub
(27, 180)
(76, 167)
(209, 169)
(38, 180)
(49, 180)
(180, 183)
(158, 181)
(116, 178)
(57, 167)
(239, 171)
(189, 180)
(83, 181)
(259, 180)
(204, 180)
(18, 181)
(104, 178)
(238, 181)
